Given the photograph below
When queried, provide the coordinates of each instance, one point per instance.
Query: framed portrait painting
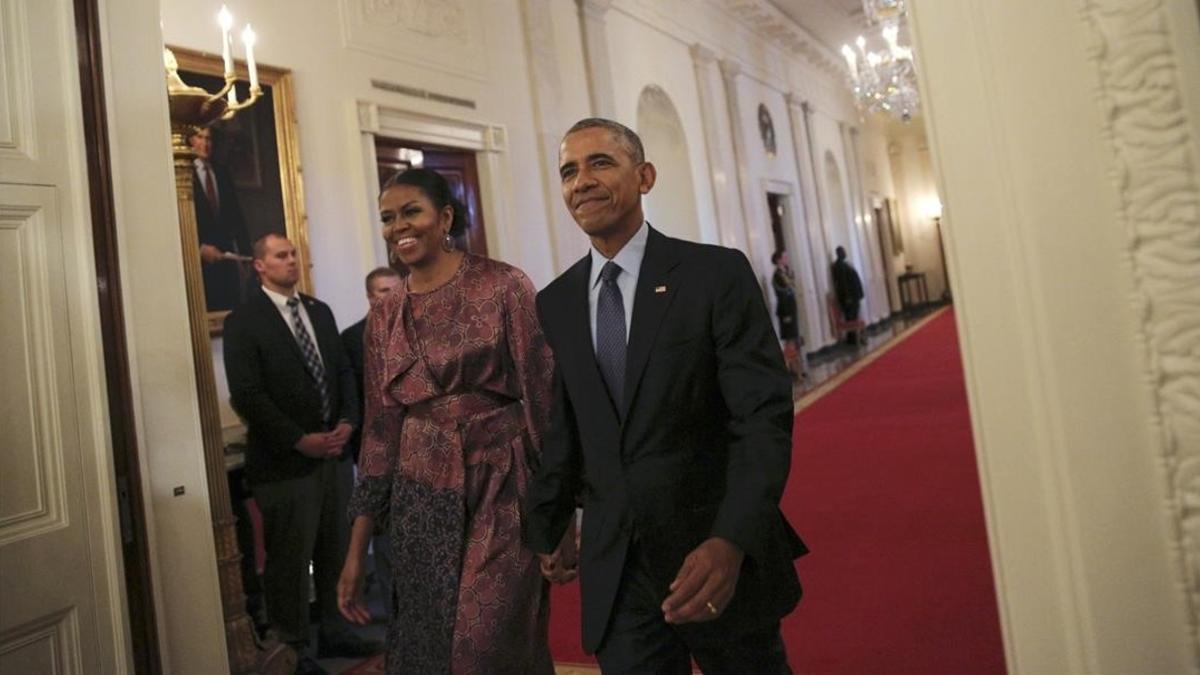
(247, 183)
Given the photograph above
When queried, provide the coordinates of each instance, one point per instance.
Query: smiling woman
(457, 387)
(421, 220)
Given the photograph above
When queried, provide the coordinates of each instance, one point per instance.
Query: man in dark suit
(847, 288)
(290, 381)
(224, 239)
(381, 281)
(676, 439)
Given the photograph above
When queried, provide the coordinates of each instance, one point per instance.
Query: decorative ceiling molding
(768, 22)
(1158, 184)
(446, 35)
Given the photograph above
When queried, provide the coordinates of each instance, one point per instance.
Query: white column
(868, 242)
(757, 247)
(821, 251)
(567, 243)
(595, 49)
(811, 270)
(718, 143)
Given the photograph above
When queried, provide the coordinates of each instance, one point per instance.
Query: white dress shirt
(629, 259)
(281, 301)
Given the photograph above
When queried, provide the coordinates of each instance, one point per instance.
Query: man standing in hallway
(847, 288)
(290, 382)
(224, 240)
(671, 425)
(381, 281)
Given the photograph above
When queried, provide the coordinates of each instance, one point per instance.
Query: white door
(60, 598)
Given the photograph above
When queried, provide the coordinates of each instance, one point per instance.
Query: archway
(671, 206)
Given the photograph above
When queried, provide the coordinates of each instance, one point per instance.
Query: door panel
(58, 570)
(43, 541)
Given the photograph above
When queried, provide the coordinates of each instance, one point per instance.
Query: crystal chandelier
(884, 81)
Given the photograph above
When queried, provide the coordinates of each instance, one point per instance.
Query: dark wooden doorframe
(126, 461)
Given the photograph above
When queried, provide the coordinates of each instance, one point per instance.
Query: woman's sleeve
(531, 355)
(381, 424)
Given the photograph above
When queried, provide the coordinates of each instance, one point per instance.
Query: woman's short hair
(435, 187)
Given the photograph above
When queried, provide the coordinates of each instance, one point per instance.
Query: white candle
(248, 38)
(226, 20)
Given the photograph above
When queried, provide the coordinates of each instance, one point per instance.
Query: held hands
(350, 600)
(705, 583)
(562, 566)
(325, 444)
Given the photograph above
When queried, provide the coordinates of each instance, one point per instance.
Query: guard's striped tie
(312, 360)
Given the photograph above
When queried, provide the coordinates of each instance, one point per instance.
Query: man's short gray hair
(626, 136)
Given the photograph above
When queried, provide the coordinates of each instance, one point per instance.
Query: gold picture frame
(261, 161)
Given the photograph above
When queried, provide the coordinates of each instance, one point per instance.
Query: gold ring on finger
(712, 608)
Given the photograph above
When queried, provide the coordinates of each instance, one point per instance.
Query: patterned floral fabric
(457, 396)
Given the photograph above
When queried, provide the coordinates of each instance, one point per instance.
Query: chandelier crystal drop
(884, 80)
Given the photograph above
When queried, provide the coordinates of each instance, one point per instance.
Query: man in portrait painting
(223, 237)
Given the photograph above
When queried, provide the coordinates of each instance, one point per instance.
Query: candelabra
(884, 81)
(193, 108)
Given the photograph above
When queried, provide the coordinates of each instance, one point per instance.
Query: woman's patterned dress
(457, 390)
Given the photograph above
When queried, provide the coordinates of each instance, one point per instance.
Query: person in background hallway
(672, 423)
(290, 381)
(457, 397)
(848, 290)
(380, 282)
(224, 240)
(783, 281)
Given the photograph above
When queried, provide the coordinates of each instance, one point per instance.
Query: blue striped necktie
(610, 332)
(312, 360)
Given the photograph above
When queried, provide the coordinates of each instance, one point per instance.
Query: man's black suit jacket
(701, 446)
(225, 228)
(352, 341)
(270, 387)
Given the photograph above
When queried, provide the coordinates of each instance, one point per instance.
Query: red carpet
(884, 489)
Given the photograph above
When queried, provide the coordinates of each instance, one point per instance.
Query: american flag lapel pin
(660, 289)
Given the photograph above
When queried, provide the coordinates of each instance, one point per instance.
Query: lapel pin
(660, 289)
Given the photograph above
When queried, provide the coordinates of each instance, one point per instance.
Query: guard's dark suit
(303, 500)
(701, 446)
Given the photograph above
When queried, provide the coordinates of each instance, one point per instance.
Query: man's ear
(649, 175)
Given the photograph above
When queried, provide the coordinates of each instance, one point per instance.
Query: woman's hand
(351, 602)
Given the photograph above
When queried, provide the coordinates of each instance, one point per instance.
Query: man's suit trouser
(305, 519)
(639, 641)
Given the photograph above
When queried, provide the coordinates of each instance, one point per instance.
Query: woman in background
(457, 389)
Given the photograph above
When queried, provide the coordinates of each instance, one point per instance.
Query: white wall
(182, 550)
(1069, 174)
(912, 167)
(642, 56)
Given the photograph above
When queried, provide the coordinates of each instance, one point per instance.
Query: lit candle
(248, 38)
(226, 20)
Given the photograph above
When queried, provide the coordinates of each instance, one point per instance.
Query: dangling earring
(447, 243)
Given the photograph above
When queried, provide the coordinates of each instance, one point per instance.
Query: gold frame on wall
(295, 216)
